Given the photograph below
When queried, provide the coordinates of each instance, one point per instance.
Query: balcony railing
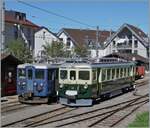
(123, 46)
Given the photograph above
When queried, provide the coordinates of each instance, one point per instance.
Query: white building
(128, 39)
(84, 37)
(43, 36)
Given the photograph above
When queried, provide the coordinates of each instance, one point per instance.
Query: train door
(30, 78)
(51, 79)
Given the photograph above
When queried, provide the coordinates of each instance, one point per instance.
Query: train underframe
(30, 98)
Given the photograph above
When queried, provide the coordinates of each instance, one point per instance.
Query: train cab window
(72, 75)
(117, 73)
(113, 73)
(84, 75)
(39, 74)
(109, 74)
(63, 74)
(21, 73)
(103, 74)
(30, 74)
(94, 74)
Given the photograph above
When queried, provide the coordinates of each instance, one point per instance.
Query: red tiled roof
(25, 22)
(80, 35)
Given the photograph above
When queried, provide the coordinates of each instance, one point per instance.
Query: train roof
(39, 65)
(96, 65)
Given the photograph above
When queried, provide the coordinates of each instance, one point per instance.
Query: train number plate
(26, 95)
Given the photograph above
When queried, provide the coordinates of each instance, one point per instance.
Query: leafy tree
(54, 49)
(81, 51)
(19, 49)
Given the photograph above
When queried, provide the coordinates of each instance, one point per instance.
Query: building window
(114, 43)
(135, 43)
(43, 35)
(130, 43)
(135, 52)
(68, 42)
(61, 39)
(130, 37)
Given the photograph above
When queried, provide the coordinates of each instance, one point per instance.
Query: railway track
(142, 83)
(14, 107)
(28, 122)
(107, 114)
(94, 112)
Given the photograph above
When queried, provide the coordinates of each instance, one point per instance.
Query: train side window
(103, 74)
(94, 74)
(117, 73)
(113, 73)
(72, 75)
(121, 72)
(128, 71)
(30, 74)
(108, 74)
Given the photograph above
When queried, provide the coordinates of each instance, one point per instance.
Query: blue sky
(107, 14)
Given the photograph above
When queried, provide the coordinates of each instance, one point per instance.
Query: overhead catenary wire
(56, 14)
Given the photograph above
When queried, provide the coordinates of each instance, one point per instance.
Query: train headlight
(34, 83)
(41, 84)
(61, 86)
(23, 83)
(85, 86)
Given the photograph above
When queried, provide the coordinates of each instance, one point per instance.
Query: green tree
(54, 49)
(20, 50)
(81, 51)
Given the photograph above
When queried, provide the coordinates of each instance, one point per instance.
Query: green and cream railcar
(82, 83)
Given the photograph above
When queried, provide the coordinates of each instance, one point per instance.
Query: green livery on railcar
(82, 83)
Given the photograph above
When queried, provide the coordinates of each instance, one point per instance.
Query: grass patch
(141, 121)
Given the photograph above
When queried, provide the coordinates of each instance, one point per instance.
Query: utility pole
(2, 11)
(97, 35)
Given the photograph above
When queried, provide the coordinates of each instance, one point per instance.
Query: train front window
(72, 75)
(30, 75)
(84, 75)
(63, 74)
(21, 73)
(39, 74)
